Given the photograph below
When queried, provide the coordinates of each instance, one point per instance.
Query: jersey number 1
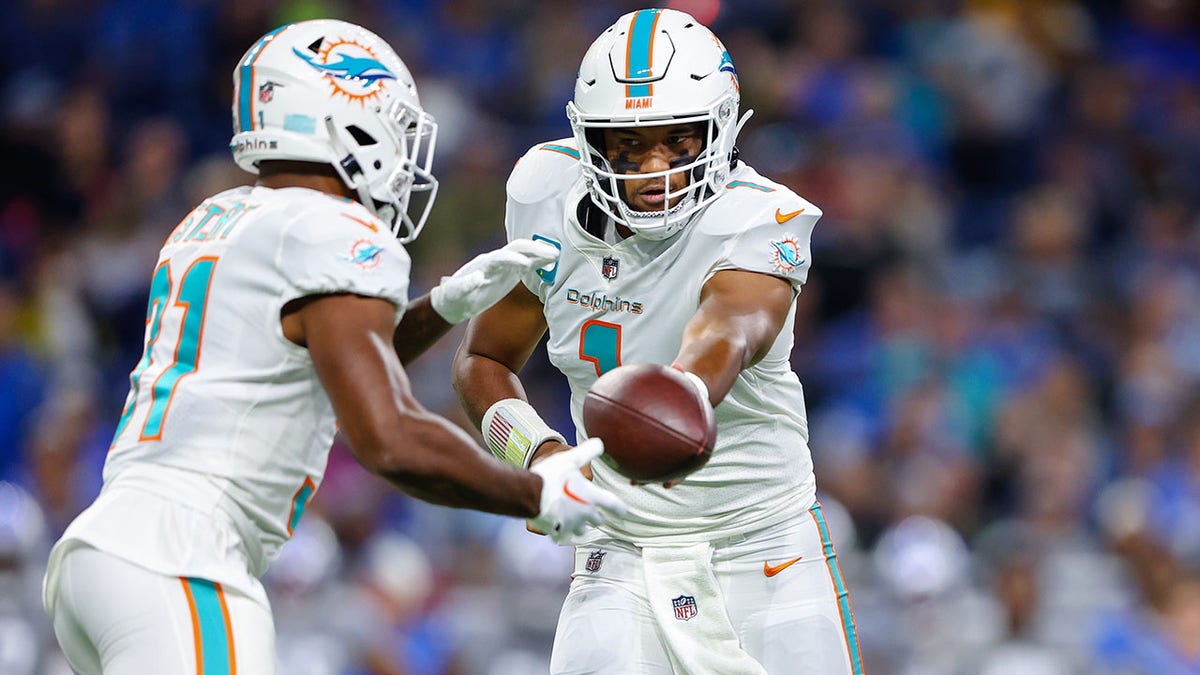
(192, 298)
(600, 343)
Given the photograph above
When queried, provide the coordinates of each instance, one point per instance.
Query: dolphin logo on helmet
(351, 68)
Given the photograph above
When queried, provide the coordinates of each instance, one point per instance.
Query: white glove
(488, 277)
(570, 501)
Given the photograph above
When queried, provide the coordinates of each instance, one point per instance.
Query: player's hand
(570, 501)
(488, 277)
(548, 449)
(553, 447)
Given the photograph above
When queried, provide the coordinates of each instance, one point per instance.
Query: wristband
(512, 430)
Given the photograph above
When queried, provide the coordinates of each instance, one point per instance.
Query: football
(655, 424)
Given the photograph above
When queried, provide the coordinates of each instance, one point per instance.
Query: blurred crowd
(999, 341)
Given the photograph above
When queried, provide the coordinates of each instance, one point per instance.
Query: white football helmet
(656, 67)
(334, 93)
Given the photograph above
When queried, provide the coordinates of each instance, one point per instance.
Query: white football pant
(113, 617)
(774, 602)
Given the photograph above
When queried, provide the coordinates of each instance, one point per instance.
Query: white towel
(690, 611)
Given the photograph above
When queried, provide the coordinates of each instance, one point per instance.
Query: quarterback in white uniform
(277, 312)
(674, 252)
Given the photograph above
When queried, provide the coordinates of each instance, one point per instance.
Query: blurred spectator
(22, 381)
(1012, 562)
(27, 645)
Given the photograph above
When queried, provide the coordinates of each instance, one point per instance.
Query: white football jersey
(225, 417)
(628, 302)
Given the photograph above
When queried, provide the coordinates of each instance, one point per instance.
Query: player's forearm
(740, 316)
(481, 381)
(431, 459)
(717, 362)
(419, 329)
(715, 357)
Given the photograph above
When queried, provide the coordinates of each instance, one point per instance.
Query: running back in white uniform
(226, 430)
(628, 302)
(220, 393)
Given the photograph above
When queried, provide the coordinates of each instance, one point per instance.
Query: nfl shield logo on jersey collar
(609, 267)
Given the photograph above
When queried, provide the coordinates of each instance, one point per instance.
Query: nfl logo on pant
(593, 561)
(685, 607)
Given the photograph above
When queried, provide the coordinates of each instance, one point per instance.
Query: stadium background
(1000, 340)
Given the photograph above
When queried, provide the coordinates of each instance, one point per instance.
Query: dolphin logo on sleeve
(785, 254)
(365, 254)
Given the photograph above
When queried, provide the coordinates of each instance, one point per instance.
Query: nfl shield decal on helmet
(685, 607)
(609, 268)
(266, 92)
(595, 558)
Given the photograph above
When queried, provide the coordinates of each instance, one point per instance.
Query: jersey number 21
(185, 303)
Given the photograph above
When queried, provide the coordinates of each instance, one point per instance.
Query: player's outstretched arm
(472, 289)
(423, 454)
(739, 317)
(389, 431)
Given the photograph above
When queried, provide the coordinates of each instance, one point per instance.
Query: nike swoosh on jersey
(771, 570)
(781, 217)
(369, 225)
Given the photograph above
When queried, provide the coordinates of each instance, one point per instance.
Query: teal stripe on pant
(214, 638)
(843, 596)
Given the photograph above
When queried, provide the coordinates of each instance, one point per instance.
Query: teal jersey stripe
(748, 184)
(843, 596)
(548, 276)
(641, 37)
(570, 152)
(215, 642)
(246, 82)
(299, 502)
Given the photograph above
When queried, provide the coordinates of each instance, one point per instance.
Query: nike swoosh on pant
(771, 571)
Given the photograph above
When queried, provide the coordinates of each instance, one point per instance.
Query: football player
(673, 251)
(274, 311)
